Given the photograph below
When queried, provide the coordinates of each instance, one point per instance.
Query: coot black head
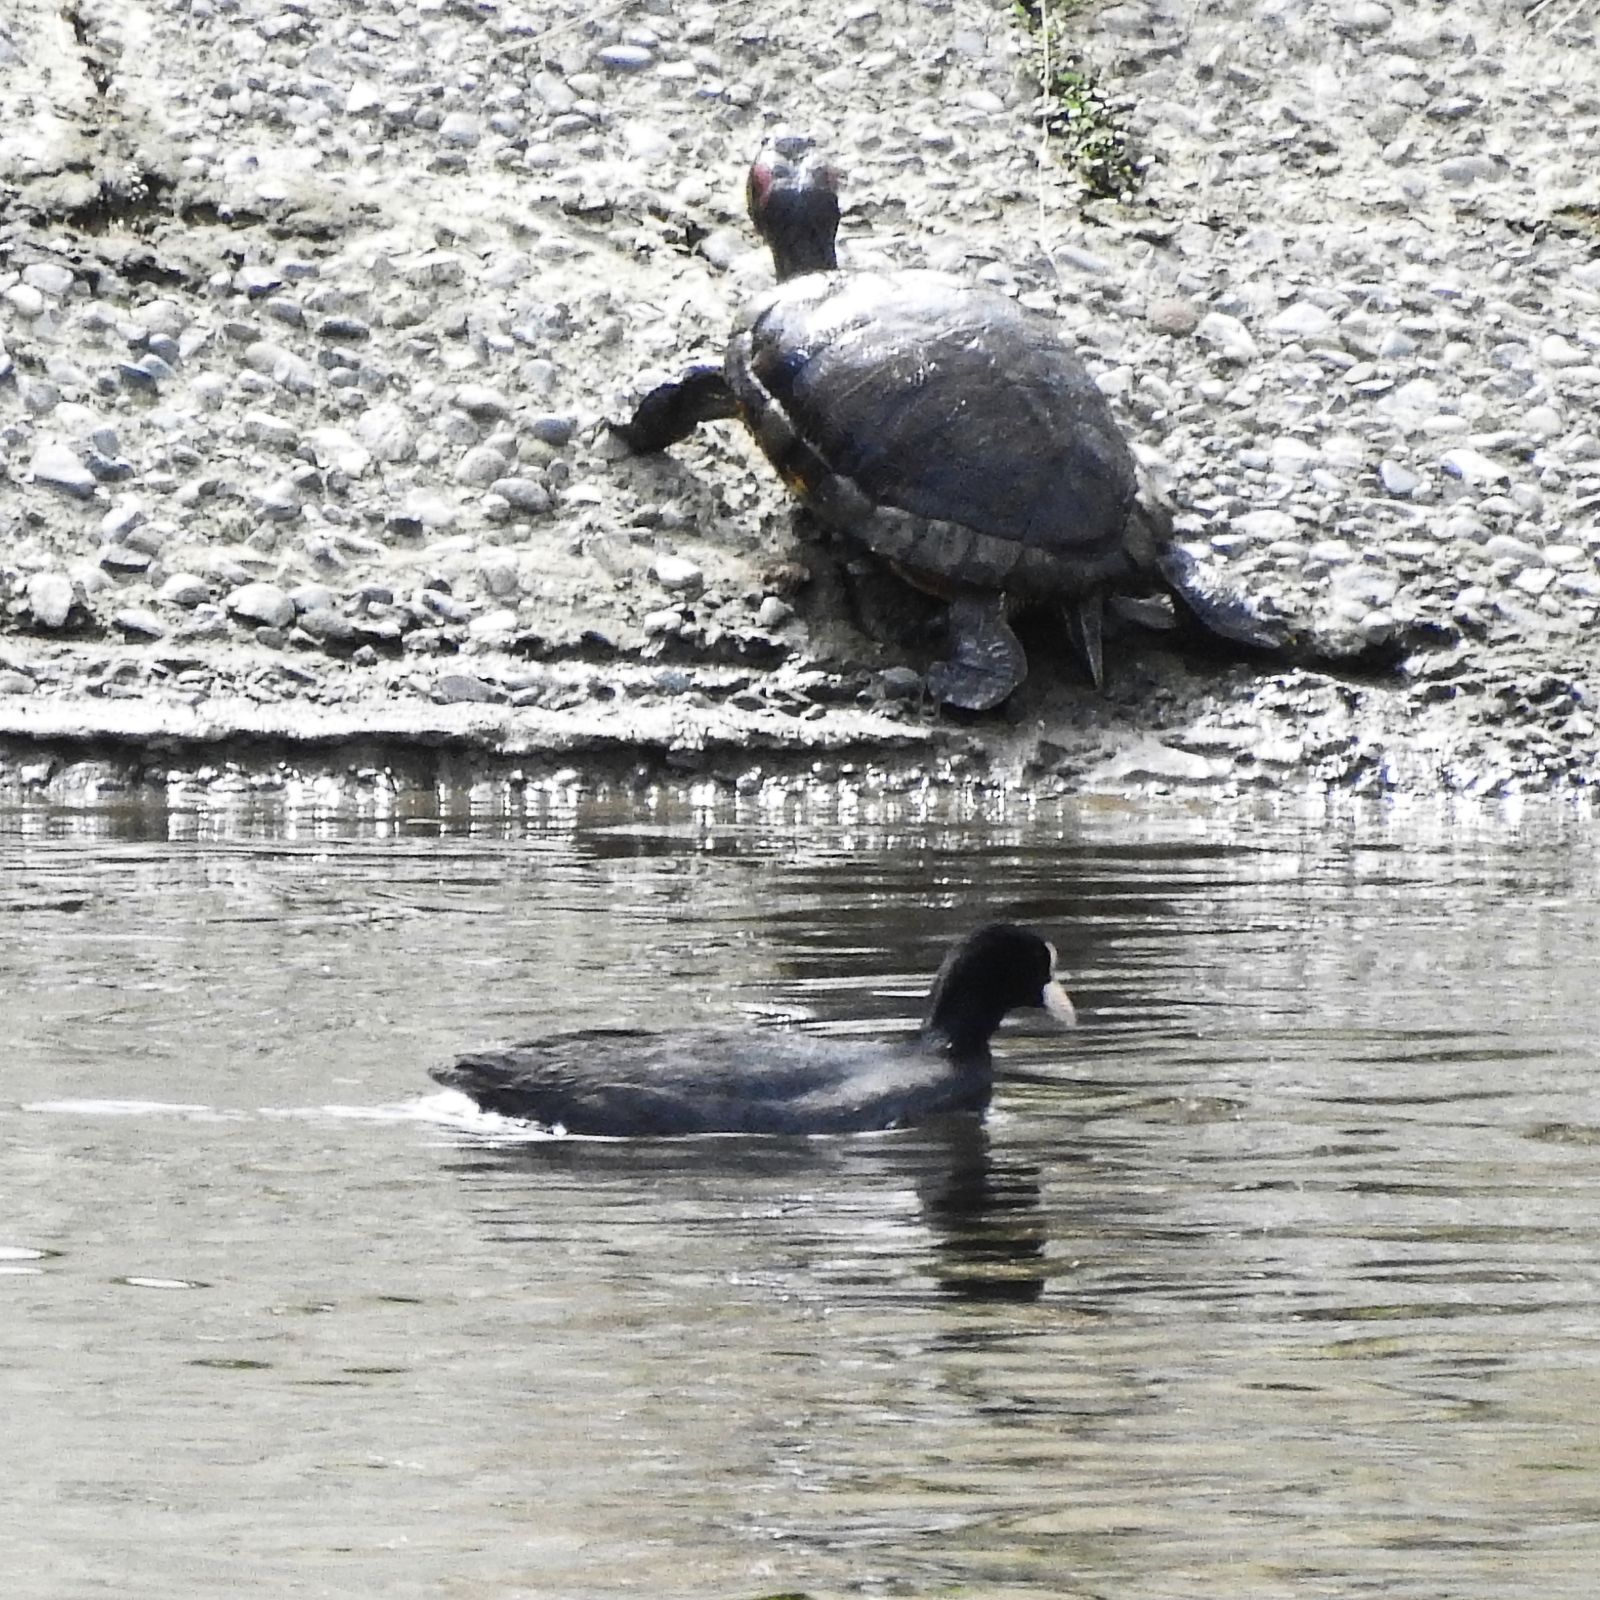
(793, 198)
(992, 971)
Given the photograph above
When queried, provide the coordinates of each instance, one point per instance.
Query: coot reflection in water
(975, 1201)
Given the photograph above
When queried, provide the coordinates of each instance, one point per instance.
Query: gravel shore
(311, 317)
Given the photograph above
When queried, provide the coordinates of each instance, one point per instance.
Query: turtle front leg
(986, 659)
(672, 411)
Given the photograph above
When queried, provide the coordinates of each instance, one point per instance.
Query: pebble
(522, 494)
(50, 598)
(553, 429)
(460, 688)
(313, 597)
(1398, 479)
(1472, 467)
(625, 57)
(677, 574)
(1265, 525)
(184, 589)
(1228, 336)
(265, 603)
(326, 625)
(138, 623)
(1362, 17)
(25, 300)
(480, 466)
(1557, 351)
(460, 128)
(667, 620)
(48, 277)
(58, 467)
(1302, 320)
(1151, 761)
(1174, 317)
(482, 403)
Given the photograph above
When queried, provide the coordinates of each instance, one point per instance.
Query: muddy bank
(312, 318)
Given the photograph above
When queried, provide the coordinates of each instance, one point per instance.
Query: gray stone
(677, 575)
(480, 466)
(1175, 317)
(50, 597)
(1150, 761)
(522, 494)
(283, 367)
(1507, 547)
(1472, 467)
(387, 432)
(665, 622)
(138, 623)
(313, 597)
(901, 683)
(1303, 320)
(104, 469)
(39, 399)
(327, 625)
(48, 277)
(256, 280)
(482, 403)
(1362, 16)
(460, 688)
(265, 603)
(25, 300)
(58, 467)
(1398, 479)
(1228, 336)
(184, 589)
(625, 57)
(499, 575)
(124, 561)
(553, 429)
(460, 128)
(346, 329)
(15, 682)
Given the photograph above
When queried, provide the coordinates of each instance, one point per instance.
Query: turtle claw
(986, 661)
(1083, 628)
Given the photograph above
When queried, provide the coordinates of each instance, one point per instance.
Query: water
(1280, 1277)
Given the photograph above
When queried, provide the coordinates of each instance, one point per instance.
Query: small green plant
(1078, 113)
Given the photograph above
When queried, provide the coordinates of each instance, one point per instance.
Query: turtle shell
(946, 428)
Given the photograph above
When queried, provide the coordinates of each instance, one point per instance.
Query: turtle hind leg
(986, 660)
(672, 411)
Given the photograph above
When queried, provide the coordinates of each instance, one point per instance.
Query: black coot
(626, 1082)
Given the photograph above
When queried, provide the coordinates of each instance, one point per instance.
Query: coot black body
(933, 421)
(630, 1083)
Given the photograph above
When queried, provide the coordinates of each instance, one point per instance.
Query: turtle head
(793, 196)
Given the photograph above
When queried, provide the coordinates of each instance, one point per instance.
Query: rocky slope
(310, 316)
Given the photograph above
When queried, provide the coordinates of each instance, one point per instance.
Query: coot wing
(631, 1083)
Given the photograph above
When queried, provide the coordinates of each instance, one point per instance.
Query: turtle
(941, 426)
